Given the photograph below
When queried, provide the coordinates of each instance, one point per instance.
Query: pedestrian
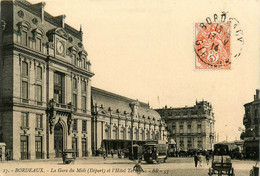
(207, 158)
(112, 153)
(200, 159)
(138, 168)
(196, 159)
(104, 155)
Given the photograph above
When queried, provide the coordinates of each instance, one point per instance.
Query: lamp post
(132, 137)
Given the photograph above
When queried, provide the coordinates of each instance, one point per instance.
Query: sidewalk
(86, 160)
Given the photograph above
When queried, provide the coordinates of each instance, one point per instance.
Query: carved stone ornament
(51, 113)
(69, 122)
(20, 14)
(35, 21)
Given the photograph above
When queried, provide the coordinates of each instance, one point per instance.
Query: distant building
(190, 127)
(251, 122)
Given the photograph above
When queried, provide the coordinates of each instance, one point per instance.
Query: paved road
(98, 166)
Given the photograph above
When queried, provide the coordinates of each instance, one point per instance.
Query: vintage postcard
(141, 87)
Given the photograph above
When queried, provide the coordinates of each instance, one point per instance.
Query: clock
(60, 47)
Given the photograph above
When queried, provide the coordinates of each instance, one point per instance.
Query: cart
(68, 156)
(221, 162)
(255, 170)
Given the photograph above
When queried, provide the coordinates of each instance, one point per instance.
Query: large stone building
(45, 83)
(251, 122)
(45, 91)
(122, 119)
(190, 127)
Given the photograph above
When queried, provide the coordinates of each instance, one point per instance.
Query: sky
(144, 49)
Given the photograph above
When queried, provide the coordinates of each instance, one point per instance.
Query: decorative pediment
(24, 25)
(83, 54)
(73, 49)
(60, 32)
(38, 31)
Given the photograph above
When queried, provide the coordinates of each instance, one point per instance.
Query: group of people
(120, 153)
(198, 158)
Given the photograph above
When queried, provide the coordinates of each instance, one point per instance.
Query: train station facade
(47, 103)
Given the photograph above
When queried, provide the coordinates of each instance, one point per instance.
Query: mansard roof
(121, 103)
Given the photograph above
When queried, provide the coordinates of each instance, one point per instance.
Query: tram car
(155, 151)
(221, 162)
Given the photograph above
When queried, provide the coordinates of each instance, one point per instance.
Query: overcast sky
(143, 49)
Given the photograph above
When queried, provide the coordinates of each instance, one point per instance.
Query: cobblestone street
(99, 166)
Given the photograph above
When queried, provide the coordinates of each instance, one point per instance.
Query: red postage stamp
(212, 46)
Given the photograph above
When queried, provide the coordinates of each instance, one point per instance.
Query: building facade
(190, 127)
(45, 80)
(47, 104)
(121, 120)
(251, 122)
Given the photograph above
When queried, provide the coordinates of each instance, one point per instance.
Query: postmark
(217, 42)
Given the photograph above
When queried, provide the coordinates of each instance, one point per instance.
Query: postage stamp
(212, 46)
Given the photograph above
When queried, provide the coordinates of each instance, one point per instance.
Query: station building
(46, 104)
(190, 127)
(121, 119)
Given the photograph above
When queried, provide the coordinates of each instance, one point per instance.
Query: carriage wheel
(232, 172)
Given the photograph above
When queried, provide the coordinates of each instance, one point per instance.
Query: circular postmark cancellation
(216, 42)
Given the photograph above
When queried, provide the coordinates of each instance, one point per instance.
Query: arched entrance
(58, 140)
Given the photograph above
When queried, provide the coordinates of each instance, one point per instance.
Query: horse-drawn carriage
(68, 156)
(221, 162)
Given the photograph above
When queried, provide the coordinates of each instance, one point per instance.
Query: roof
(120, 103)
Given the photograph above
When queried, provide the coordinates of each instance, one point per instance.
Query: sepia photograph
(129, 87)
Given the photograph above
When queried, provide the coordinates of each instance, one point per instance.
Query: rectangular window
(74, 100)
(181, 143)
(181, 126)
(75, 83)
(189, 143)
(75, 145)
(58, 87)
(24, 38)
(83, 103)
(24, 90)
(84, 125)
(24, 147)
(199, 128)
(38, 44)
(189, 126)
(75, 124)
(38, 93)
(200, 143)
(25, 119)
(38, 147)
(38, 121)
(84, 147)
(24, 68)
(39, 73)
(84, 86)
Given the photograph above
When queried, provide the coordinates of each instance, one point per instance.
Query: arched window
(114, 132)
(122, 131)
(148, 134)
(107, 132)
(129, 133)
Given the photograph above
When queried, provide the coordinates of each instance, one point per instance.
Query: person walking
(196, 159)
(207, 158)
(200, 159)
(112, 153)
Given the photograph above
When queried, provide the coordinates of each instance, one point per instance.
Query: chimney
(40, 6)
(257, 97)
(62, 20)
